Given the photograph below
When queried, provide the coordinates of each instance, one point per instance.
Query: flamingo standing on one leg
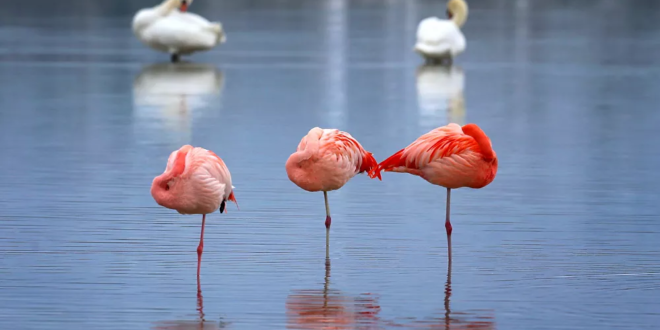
(448, 156)
(325, 160)
(196, 181)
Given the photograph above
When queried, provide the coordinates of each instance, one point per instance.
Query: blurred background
(566, 236)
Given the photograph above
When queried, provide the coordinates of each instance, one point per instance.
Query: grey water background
(566, 237)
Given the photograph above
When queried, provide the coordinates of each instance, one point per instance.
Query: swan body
(440, 39)
(166, 29)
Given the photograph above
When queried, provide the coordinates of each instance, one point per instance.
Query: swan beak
(449, 14)
(184, 6)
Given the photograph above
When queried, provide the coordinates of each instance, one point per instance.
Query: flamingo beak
(184, 6)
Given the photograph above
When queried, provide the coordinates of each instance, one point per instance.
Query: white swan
(166, 95)
(442, 39)
(174, 31)
(440, 95)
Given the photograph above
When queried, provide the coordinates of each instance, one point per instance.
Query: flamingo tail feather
(388, 164)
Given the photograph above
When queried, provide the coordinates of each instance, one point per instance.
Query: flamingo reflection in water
(451, 320)
(330, 309)
(201, 324)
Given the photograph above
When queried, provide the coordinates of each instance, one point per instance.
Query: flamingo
(196, 181)
(324, 161)
(450, 156)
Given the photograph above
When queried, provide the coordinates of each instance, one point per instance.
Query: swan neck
(459, 10)
(167, 6)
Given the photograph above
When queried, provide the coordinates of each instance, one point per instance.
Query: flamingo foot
(328, 222)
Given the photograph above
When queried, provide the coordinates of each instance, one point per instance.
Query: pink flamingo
(448, 156)
(196, 181)
(325, 160)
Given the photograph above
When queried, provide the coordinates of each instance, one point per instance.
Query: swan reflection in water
(166, 95)
(330, 309)
(200, 324)
(440, 95)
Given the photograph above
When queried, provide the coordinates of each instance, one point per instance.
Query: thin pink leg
(200, 248)
(448, 224)
(328, 222)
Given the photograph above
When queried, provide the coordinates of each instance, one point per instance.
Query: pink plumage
(450, 156)
(196, 181)
(325, 160)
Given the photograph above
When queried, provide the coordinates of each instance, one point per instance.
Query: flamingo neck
(482, 140)
(312, 143)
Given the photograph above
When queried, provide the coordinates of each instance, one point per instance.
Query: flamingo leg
(447, 296)
(448, 224)
(200, 301)
(200, 248)
(328, 221)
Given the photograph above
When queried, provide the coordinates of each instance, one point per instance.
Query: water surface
(564, 238)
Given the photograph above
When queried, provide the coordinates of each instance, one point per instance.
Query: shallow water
(564, 238)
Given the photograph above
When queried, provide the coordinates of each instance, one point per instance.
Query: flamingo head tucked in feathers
(483, 141)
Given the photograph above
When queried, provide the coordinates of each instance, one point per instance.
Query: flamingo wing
(209, 175)
(447, 143)
(346, 150)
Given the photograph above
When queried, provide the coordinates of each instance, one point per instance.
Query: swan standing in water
(176, 32)
(441, 40)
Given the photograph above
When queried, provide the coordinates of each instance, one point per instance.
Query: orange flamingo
(196, 181)
(325, 160)
(450, 156)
